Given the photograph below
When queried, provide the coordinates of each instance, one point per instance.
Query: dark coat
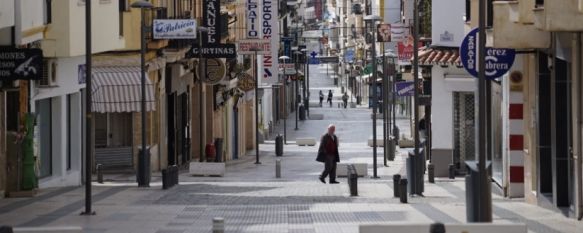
(322, 150)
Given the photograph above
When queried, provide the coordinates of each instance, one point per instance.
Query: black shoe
(322, 179)
(334, 182)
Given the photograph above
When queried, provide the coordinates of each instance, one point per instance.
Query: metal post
(485, 199)
(144, 181)
(374, 102)
(88, 110)
(308, 82)
(385, 94)
(284, 108)
(201, 73)
(416, 75)
(256, 112)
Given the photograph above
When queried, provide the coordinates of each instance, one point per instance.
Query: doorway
(464, 129)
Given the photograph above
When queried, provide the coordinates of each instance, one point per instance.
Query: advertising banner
(212, 20)
(26, 64)
(247, 46)
(270, 31)
(174, 29)
(399, 32)
(253, 7)
(405, 50)
(383, 32)
(405, 88)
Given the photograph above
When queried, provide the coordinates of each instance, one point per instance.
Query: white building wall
(6, 13)
(66, 83)
(447, 16)
(30, 16)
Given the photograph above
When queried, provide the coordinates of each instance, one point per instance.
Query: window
(540, 3)
(44, 121)
(489, 14)
(48, 11)
(468, 10)
(69, 144)
(12, 104)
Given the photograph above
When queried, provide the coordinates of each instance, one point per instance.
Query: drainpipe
(579, 131)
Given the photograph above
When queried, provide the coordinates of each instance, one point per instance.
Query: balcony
(559, 15)
(509, 32)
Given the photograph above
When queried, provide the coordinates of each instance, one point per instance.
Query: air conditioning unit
(49, 76)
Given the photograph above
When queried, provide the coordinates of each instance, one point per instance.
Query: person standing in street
(328, 154)
(321, 98)
(330, 97)
(345, 99)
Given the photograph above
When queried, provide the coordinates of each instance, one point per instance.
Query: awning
(118, 89)
(439, 56)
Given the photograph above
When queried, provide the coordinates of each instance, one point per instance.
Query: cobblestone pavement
(251, 199)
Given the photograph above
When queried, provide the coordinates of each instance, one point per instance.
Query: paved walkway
(251, 199)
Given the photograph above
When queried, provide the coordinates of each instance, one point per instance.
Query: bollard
(431, 172)
(278, 168)
(99, 173)
(278, 145)
(218, 225)
(165, 182)
(403, 190)
(396, 180)
(352, 180)
(437, 228)
(452, 171)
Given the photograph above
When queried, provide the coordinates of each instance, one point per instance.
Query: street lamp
(284, 58)
(297, 88)
(143, 160)
(306, 83)
(255, 50)
(202, 76)
(372, 19)
(88, 111)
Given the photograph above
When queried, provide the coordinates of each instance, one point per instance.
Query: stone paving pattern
(251, 199)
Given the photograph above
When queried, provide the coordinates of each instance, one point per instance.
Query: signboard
(246, 82)
(212, 20)
(270, 31)
(246, 47)
(349, 55)
(252, 19)
(498, 61)
(215, 71)
(399, 32)
(331, 59)
(214, 51)
(405, 51)
(405, 88)
(383, 32)
(174, 29)
(26, 64)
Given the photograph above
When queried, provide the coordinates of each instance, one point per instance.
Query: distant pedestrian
(345, 99)
(330, 97)
(321, 98)
(328, 154)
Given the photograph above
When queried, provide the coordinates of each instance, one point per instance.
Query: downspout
(579, 131)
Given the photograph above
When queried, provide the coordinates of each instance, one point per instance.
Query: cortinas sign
(20, 63)
(211, 17)
(174, 29)
(252, 19)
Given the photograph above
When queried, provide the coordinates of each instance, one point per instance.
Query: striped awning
(118, 89)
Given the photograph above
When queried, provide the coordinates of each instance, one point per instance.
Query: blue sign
(287, 48)
(314, 61)
(498, 61)
(349, 55)
(405, 88)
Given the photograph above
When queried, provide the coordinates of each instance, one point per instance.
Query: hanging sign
(405, 88)
(246, 82)
(498, 61)
(213, 51)
(174, 29)
(246, 47)
(215, 71)
(253, 19)
(405, 51)
(26, 64)
(399, 32)
(212, 20)
(270, 31)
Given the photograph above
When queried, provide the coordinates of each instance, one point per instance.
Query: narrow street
(251, 199)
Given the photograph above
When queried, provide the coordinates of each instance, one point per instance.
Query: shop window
(12, 104)
(44, 121)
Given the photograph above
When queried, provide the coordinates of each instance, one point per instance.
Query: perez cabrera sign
(497, 62)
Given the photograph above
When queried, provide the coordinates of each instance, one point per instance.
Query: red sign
(406, 51)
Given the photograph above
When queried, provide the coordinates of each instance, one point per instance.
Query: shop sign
(212, 20)
(331, 59)
(270, 31)
(213, 51)
(252, 19)
(246, 47)
(246, 82)
(215, 71)
(405, 51)
(405, 88)
(498, 61)
(174, 29)
(383, 32)
(25, 64)
(399, 32)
